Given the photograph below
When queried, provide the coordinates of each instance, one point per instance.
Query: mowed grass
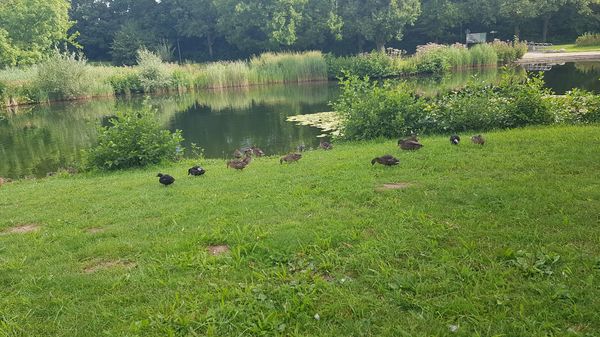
(500, 240)
(574, 48)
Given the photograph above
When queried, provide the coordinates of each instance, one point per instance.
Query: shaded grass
(472, 243)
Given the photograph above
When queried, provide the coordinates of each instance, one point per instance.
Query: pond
(36, 140)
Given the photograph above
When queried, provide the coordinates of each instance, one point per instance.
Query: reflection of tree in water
(582, 75)
(588, 67)
(40, 139)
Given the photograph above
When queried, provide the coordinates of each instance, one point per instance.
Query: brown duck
(478, 140)
(290, 158)
(325, 145)
(386, 160)
(257, 152)
(237, 153)
(411, 143)
(239, 164)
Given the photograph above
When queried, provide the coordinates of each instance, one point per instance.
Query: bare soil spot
(218, 250)
(22, 229)
(394, 186)
(101, 265)
(95, 230)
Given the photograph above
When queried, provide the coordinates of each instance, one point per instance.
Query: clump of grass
(288, 67)
(65, 76)
(588, 39)
(224, 75)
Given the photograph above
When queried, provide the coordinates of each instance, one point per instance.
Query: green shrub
(509, 52)
(577, 107)
(374, 65)
(588, 39)
(369, 110)
(135, 139)
(153, 74)
(126, 82)
(63, 76)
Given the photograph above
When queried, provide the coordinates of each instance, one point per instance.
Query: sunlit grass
(499, 240)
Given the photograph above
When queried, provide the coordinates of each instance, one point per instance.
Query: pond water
(35, 140)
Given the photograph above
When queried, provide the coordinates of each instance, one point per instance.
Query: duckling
(409, 144)
(257, 152)
(386, 160)
(290, 158)
(237, 153)
(247, 159)
(478, 140)
(325, 145)
(165, 179)
(454, 139)
(196, 171)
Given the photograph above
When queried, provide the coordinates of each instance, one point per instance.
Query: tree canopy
(226, 29)
(30, 29)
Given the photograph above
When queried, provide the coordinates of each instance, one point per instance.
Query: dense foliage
(134, 139)
(232, 29)
(29, 29)
(370, 110)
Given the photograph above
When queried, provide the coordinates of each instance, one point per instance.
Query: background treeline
(201, 30)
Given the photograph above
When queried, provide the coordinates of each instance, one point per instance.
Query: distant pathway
(560, 57)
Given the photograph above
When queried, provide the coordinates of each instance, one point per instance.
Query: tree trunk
(380, 45)
(210, 42)
(545, 28)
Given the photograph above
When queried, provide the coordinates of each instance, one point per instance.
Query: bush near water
(369, 110)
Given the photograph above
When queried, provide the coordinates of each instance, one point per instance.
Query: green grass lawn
(500, 240)
(574, 48)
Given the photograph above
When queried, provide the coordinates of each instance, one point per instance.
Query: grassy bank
(69, 77)
(428, 59)
(494, 240)
(573, 48)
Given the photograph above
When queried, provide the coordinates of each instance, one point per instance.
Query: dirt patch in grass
(22, 229)
(102, 265)
(394, 186)
(95, 230)
(218, 250)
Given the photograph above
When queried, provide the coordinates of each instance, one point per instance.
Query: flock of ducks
(243, 156)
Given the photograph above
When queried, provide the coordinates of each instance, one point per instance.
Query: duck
(325, 145)
(247, 159)
(257, 152)
(237, 164)
(386, 160)
(478, 140)
(290, 158)
(165, 179)
(237, 153)
(196, 171)
(411, 143)
(454, 139)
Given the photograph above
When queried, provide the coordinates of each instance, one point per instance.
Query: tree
(197, 18)
(31, 29)
(518, 12)
(380, 21)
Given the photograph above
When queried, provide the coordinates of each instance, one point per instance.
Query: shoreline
(535, 57)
